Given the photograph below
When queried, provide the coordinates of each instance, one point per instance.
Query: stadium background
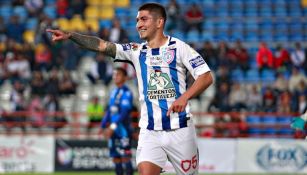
(245, 103)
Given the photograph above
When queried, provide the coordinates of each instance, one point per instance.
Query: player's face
(146, 25)
(119, 77)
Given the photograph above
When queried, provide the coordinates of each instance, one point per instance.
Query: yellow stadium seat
(91, 12)
(63, 24)
(93, 2)
(2, 47)
(29, 36)
(122, 3)
(77, 24)
(106, 2)
(107, 12)
(93, 24)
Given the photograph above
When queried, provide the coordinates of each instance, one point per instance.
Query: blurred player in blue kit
(162, 64)
(117, 123)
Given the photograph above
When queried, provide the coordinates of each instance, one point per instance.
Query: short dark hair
(122, 70)
(156, 8)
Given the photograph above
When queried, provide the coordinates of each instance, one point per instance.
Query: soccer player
(167, 130)
(117, 123)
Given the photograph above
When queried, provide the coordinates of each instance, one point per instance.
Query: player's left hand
(298, 123)
(108, 132)
(178, 105)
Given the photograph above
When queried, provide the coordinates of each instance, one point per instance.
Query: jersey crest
(168, 55)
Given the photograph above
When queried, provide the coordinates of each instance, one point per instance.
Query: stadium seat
(107, 3)
(50, 11)
(122, 3)
(63, 23)
(207, 36)
(237, 75)
(50, 2)
(178, 34)
(31, 23)
(251, 26)
(93, 2)
(93, 24)
(252, 76)
(285, 121)
(107, 12)
(209, 12)
(21, 12)
(76, 24)
(271, 121)
(29, 36)
(280, 11)
(84, 92)
(193, 36)
(268, 76)
(121, 13)
(253, 120)
(209, 25)
(5, 12)
(5, 91)
(105, 23)
(91, 12)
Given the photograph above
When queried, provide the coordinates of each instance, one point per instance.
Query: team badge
(168, 55)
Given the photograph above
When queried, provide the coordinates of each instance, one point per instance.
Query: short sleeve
(193, 61)
(124, 51)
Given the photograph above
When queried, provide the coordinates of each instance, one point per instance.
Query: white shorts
(178, 146)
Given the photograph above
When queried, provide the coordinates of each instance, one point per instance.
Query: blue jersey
(118, 112)
(162, 78)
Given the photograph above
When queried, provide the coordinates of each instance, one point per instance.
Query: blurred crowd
(44, 69)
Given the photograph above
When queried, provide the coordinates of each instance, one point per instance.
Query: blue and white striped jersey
(162, 78)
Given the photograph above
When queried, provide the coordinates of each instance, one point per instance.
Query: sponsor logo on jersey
(126, 47)
(130, 46)
(160, 86)
(155, 60)
(195, 62)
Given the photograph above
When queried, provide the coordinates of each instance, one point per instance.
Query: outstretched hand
(178, 105)
(58, 35)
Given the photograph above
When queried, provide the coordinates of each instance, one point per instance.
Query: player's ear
(160, 23)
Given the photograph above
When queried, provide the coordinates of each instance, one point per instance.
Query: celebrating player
(167, 130)
(116, 123)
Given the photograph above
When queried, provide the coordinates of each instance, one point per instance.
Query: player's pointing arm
(88, 42)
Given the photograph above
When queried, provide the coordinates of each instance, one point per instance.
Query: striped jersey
(162, 78)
